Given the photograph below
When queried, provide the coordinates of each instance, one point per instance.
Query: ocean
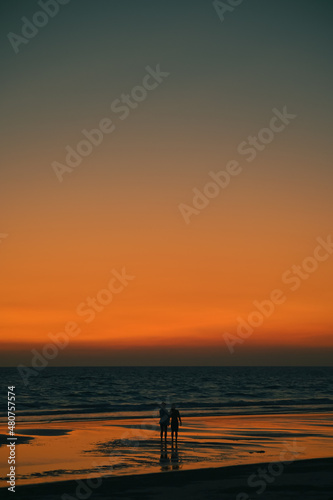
(90, 393)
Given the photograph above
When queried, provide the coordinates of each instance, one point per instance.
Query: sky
(182, 91)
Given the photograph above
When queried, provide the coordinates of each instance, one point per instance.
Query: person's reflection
(174, 457)
(164, 459)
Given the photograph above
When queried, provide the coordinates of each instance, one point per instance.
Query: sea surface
(86, 393)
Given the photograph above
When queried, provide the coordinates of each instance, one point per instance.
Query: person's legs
(171, 435)
(176, 432)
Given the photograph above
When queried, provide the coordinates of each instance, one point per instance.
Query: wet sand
(304, 480)
(130, 454)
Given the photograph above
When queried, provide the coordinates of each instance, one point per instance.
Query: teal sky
(225, 77)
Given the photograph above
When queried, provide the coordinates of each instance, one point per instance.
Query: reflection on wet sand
(128, 447)
(175, 459)
(170, 464)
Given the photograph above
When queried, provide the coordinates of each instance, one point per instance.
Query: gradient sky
(120, 206)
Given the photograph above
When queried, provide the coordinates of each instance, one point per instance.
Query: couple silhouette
(165, 417)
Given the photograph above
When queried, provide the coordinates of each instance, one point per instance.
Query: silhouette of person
(164, 421)
(175, 416)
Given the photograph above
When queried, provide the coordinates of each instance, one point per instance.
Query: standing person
(175, 416)
(164, 421)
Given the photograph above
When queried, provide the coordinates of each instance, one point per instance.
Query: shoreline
(311, 479)
(52, 419)
(100, 418)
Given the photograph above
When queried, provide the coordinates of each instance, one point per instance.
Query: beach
(214, 454)
(305, 479)
(96, 434)
(166, 250)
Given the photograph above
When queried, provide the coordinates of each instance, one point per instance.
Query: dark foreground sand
(304, 479)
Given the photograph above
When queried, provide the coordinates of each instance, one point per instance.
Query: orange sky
(120, 207)
(191, 282)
